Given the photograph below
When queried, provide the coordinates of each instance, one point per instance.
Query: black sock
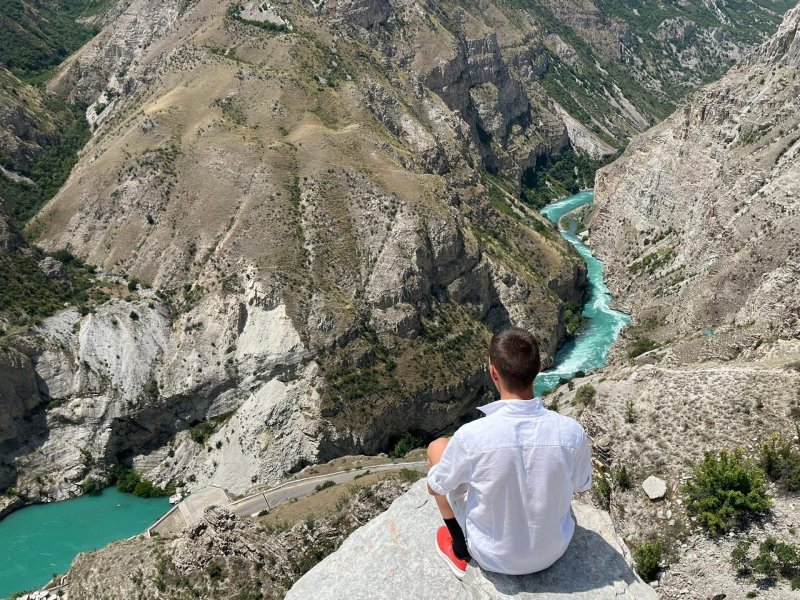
(459, 543)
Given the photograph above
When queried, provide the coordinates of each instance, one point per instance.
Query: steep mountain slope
(697, 224)
(320, 202)
(330, 252)
(698, 220)
(39, 134)
(37, 35)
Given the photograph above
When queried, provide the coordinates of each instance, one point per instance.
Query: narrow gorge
(238, 240)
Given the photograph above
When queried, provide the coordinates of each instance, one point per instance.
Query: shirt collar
(513, 407)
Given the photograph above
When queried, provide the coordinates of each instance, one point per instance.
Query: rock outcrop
(323, 202)
(224, 556)
(394, 556)
(698, 218)
(696, 224)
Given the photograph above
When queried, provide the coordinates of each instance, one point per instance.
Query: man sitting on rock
(504, 483)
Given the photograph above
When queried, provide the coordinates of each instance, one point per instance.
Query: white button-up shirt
(519, 467)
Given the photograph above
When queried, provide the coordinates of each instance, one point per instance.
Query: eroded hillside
(309, 215)
(697, 224)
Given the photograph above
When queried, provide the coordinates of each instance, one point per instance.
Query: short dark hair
(515, 354)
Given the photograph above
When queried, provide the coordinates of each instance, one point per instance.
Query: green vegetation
(630, 411)
(201, 432)
(216, 572)
(92, 486)
(585, 396)
(36, 36)
(50, 170)
(640, 346)
(27, 295)
(601, 491)
(130, 482)
(780, 459)
(647, 557)
(726, 491)
(573, 318)
(558, 176)
(405, 444)
(650, 263)
(775, 559)
(324, 485)
(622, 478)
(746, 22)
(350, 382)
(410, 475)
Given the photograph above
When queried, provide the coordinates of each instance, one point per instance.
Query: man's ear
(493, 373)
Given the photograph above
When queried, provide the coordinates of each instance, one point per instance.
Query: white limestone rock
(654, 487)
(393, 556)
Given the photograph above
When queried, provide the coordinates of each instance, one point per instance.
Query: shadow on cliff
(23, 417)
(589, 563)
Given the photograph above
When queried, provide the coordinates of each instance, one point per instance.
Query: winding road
(253, 504)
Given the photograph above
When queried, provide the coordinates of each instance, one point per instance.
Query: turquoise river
(589, 349)
(40, 540)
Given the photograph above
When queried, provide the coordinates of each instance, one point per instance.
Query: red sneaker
(444, 548)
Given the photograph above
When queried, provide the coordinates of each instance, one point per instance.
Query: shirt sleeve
(582, 473)
(452, 470)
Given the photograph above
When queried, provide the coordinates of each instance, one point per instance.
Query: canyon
(304, 221)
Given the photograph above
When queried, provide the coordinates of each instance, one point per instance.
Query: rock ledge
(393, 556)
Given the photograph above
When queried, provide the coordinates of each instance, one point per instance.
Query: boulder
(394, 556)
(654, 487)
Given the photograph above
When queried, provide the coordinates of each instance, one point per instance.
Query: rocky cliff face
(224, 556)
(696, 225)
(394, 556)
(329, 262)
(697, 220)
(323, 198)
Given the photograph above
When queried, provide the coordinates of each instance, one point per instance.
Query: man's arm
(452, 469)
(582, 474)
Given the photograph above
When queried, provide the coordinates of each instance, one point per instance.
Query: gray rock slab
(654, 487)
(393, 556)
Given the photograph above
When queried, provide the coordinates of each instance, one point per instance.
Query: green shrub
(726, 491)
(216, 571)
(92, 486)
(129, 481)
(201, 432)
(647, 557)
(630, 412)
(573, 318)
(324, 485)
(622, 478)
(601, 490)
(640, 346)
(404, 445)
(410, 475)
(774, 559)
(585, 395)
(780, 459)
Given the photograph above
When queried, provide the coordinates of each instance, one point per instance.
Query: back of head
(515, 354)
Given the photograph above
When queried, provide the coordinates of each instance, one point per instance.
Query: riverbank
(589, 349)
(43, 539)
